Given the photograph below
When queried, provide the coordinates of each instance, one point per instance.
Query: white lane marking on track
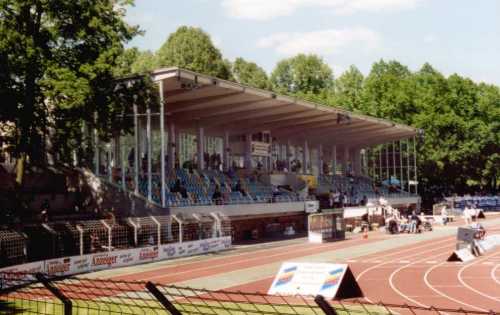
(488, 263)
(493, 274)
(431, 262)
(461, 279)
(351, 260)
(393, 287)
(212, 265)
(447, 239)
(430, 286)
(404, 261)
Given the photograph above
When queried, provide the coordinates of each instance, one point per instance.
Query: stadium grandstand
(218, 158)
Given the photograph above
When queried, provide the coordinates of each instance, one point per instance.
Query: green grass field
(109, 307)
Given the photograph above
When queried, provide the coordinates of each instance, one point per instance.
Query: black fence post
(162, 299)
(324, 305)
(68, 304)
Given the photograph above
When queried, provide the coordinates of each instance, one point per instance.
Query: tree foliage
(192, 49)
(249, 73)
(303, 74)
(57, 70)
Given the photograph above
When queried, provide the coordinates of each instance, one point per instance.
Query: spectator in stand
(331, 199)
(364, 201)
(178, 188)
(217, 196)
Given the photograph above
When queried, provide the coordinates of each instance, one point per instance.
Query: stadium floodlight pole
(415, 162)
(162, 150)
(136, 151)
(148, 143)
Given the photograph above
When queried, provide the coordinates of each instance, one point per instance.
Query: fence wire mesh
(39, 294)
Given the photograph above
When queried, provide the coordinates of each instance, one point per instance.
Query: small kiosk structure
(327, 226)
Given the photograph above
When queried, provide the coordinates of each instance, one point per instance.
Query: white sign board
(463, 255)
(311, 206)
(308, 279)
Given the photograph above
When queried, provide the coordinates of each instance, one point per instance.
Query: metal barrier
(38, 294)
(61, 239)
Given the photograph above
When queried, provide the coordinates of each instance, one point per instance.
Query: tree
(145, 62)
(302, 74)
(57, 63)
(349, 89)
(249, 73)
(192, 49)
(388, 91)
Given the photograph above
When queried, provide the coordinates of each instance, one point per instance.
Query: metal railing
(39, 294)
(61, 239)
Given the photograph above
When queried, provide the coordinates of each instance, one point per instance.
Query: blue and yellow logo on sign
(333, 279)
(286, 276)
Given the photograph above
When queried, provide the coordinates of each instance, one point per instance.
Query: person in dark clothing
(217, 196)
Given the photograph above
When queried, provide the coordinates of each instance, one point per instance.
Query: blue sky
(455, 36)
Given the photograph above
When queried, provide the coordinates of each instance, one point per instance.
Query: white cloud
(268, 9)
(321, 42)
(430, 38)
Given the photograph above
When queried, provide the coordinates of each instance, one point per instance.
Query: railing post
(68, 305)
(162, 299)
(324, 305)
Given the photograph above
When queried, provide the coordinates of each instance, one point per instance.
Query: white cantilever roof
(194, 99)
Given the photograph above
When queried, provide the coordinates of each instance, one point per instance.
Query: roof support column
(136, 151)
(320, 159)
(305, 156)
(96, 148)
(408, 163)
(172, 145)
(357, 161)
(380, 163)
(288, 152)
(334, 160)
(415, 163)
(200, 141)
(149, 152)
(400, 165)
(248, 151)
(226, 151)
(394, 159)
(346, 161)
(162, 150)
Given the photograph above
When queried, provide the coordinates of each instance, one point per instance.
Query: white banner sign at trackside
(120, 258)
(313, 279)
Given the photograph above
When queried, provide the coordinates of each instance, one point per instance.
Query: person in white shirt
(467, 215)
(444, 215)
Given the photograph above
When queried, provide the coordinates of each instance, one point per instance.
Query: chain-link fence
(39, 294)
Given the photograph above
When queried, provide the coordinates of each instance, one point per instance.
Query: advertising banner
(312, 279)
(120, 258)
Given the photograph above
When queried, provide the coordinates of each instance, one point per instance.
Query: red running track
(417, 274)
